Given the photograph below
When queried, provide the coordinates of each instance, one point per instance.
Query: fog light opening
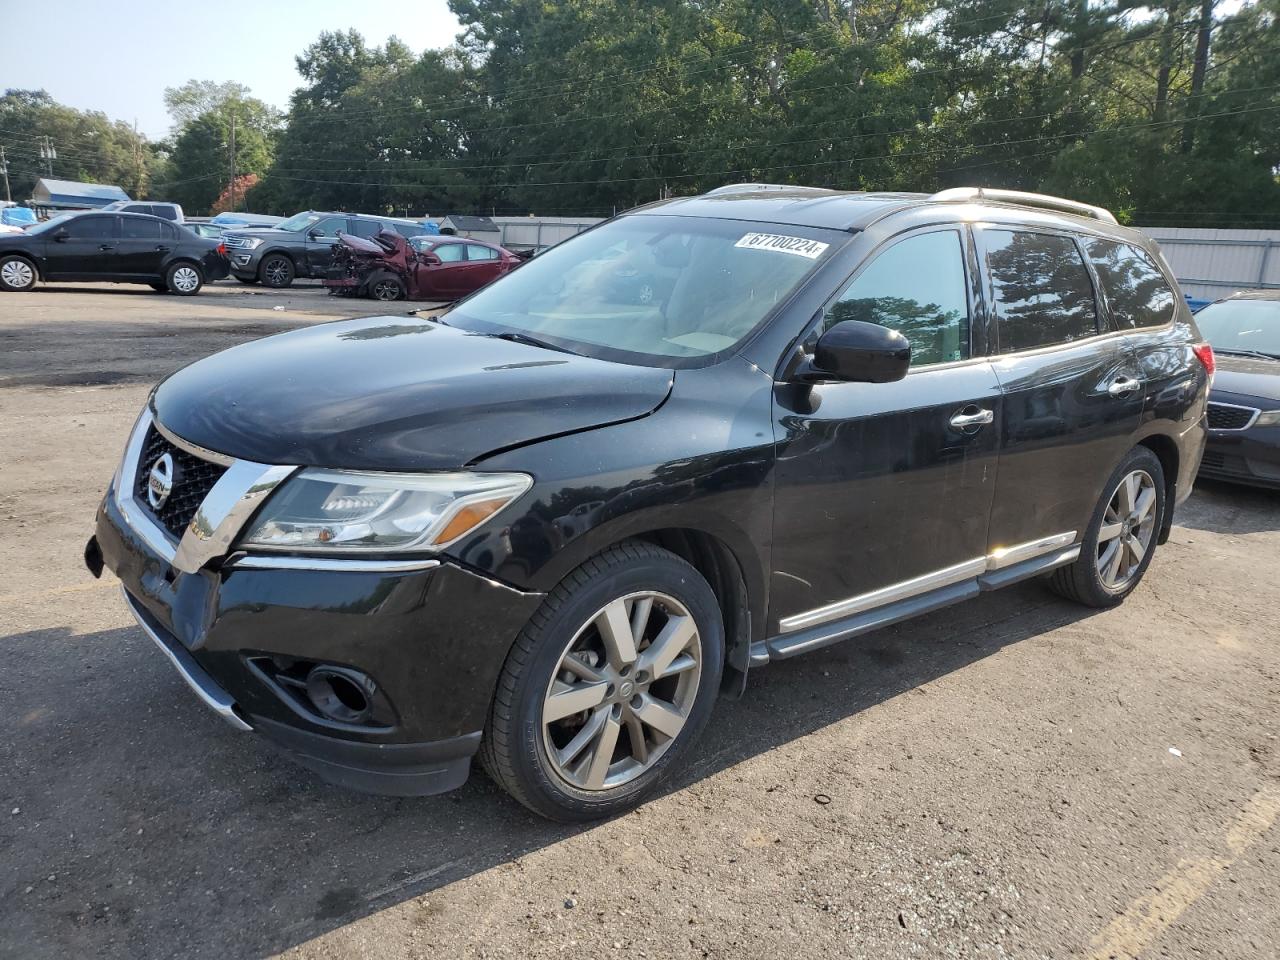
(342, 695)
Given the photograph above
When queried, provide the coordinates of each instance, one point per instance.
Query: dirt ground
(1013, 777)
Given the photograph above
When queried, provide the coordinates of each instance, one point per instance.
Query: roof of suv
(852, 210)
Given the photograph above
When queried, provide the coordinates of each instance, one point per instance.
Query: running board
(803, 641)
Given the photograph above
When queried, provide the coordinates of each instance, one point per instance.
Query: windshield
(651, 288)
(50, 223)
(299, 222)
(1251, 326)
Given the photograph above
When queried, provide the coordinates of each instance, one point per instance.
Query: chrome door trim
(1008, 556)
(250, 561)
(875, 598)
(936, 580)
(203, 685)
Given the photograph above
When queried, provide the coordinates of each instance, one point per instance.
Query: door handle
(1122, 385)
(106, 246)
(161, 248)
(971, 417)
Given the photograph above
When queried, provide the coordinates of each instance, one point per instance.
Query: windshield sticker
(809, 249)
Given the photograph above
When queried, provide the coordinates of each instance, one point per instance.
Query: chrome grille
(1226, 416)
(193, 479)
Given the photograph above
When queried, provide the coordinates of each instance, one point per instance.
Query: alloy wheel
(622, 691)
(17, 274)
(386, 290)
(1128, 528)
(275, 272)
(185, 279)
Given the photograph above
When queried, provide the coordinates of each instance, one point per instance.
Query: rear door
(87, 251)
(884, 490)
(321, 236)
(484, 264)
(142, 247)
(1073, 394)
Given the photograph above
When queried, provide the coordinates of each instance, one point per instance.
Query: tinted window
(1138, 293)
(451, 252)
(140, 228)
(1042, 288)
(90, 227)
(365, 228)
(477, 252)
(917, 287)
(329, 226)
(164, 210)
(170, 232)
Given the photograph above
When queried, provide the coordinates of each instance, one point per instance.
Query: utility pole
(233, 159)
(4, 169)
(137, 161)
(48, 154)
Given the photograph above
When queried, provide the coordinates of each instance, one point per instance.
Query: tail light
(222, 249)
(1204, 353)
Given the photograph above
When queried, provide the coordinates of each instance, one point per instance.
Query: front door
(84, 248)
(448, 277)
(1073, 393)
(321, 236)
(884, 491)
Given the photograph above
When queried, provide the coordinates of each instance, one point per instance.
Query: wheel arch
(1166, 450)
(281, 251)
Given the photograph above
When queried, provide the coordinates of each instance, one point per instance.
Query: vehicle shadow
(148, 828)
(1230, 508)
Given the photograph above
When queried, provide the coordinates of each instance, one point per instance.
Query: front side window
(365, 228)
(1043, 294)
(329, 226)
(918, 288)
(451, 252)
(652, 288)
(91, 227)
(1138, 293)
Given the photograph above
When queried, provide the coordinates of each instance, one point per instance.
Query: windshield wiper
(1247, 353)
(512, 336)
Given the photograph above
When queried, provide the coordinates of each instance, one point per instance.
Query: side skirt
(815, 638)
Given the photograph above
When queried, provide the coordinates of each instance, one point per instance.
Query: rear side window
(1138, 294)
(1043, 294)
(451, 252)
(917, 287)
(365, 228)
(476, 252)
(140, 228)
(164, 210)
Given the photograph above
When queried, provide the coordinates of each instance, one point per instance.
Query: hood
(395, 393)
(1247, 377)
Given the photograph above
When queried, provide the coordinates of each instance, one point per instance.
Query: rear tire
(185, 279)
(1121, 538)
(17, 274)
(277, 271)
(608, 685)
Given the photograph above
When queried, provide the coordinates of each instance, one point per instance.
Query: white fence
(541, 232)
(1212, 263)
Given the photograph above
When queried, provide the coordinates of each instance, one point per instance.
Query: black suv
(302, 246)
(124, 247)
(551, 525)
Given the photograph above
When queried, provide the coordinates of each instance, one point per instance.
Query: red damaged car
(389, 267)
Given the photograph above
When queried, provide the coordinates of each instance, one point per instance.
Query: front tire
(184, 279)
(608, 685)
(387, 288)
(1121, 538)
(277, 271)
(17, 274)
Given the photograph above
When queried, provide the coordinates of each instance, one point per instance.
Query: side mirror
(861, 352)
(314, 234)
(431, 260)
(61, 234)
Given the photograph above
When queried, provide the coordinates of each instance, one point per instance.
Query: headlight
(341, 510)
(1268, 418)
(252, 243)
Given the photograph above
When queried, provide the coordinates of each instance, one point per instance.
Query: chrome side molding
(258, 561)
(936, 580)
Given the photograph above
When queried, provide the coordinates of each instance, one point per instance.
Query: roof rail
(762, 188)
(1023, 199)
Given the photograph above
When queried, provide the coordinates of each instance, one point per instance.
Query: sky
(143, 46)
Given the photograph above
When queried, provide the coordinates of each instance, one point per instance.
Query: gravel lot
(994, 780)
